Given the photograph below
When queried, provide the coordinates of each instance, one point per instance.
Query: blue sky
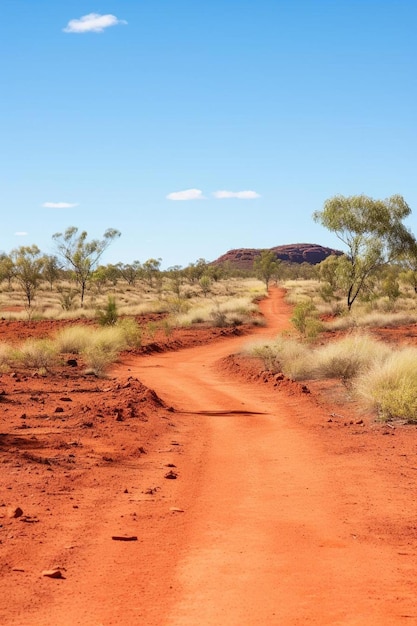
(135, 114)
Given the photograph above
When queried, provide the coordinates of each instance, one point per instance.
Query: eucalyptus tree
(373, 232)
(51, 269)
(28, 263)
(80, 255)
(7, 268)
(266, 266)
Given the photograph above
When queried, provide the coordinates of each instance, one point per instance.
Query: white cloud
(242, 195)
(92, 23)
(187, 194)
(21, 233)
(59, 205)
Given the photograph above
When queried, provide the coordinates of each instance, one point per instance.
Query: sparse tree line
(76, 263)
(380, 256)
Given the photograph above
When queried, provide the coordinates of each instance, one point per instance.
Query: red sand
(251, 499)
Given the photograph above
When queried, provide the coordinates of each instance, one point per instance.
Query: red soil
(289, 507)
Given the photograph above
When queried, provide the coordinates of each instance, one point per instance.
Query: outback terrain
(190, 487)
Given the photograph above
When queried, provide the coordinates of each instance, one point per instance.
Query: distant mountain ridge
(312, 253)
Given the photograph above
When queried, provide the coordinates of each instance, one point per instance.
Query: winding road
(266, 523)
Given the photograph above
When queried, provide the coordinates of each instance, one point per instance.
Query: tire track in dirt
(268, 536)
(272, 526)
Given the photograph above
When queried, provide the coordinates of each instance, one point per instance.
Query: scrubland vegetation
(373, 284)
(329, 341)
(115, 298)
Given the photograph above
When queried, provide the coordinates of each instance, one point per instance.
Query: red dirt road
(277, 516)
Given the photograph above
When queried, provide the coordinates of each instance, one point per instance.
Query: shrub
(348, 357)
(391, 388)
(286, 355)
(98, 358)
(73, 339)
(6, 356)
(37, 353)
(108, 316)
(304, 318)
(131, 332)
(104, 349)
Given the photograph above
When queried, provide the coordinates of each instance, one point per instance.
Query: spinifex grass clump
(73, 339)
(40, 354)
(391, 387)
(284, 354)
(6, 356)
(349, 357)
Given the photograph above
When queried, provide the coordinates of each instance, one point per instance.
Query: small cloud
(242, 195)
(59, 205)
(21, 233)
(187, 194)
(92, 23)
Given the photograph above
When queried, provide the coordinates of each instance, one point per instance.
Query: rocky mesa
(243, 258)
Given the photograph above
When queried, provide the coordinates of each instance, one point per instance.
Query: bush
(304, 318)
(108, 316)
(37, 353)
(73, 339)
(286, 355)
(6, 356)
(391, 388)
(131, 332)
(349, 357)
(98, 358)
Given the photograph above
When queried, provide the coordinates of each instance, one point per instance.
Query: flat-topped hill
(312, 253)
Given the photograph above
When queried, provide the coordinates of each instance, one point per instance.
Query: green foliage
(7, 269)
(304, 318)
(373, 232)
(266, 266)
(130, 272)
(205, 284)
(51, 269)
(131, 332)
(28, 264)
(109, 315)
(66, 298)
(80, 255)
(151, 271)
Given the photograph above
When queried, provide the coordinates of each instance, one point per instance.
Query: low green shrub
(108, 315)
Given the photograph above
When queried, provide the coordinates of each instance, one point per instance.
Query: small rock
(124, 538)
(171, 475)
(72, 362)
(59, 409)
(16, 512)
(53, 573)
(175, 509)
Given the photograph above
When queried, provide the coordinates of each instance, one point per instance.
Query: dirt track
(276, 517)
